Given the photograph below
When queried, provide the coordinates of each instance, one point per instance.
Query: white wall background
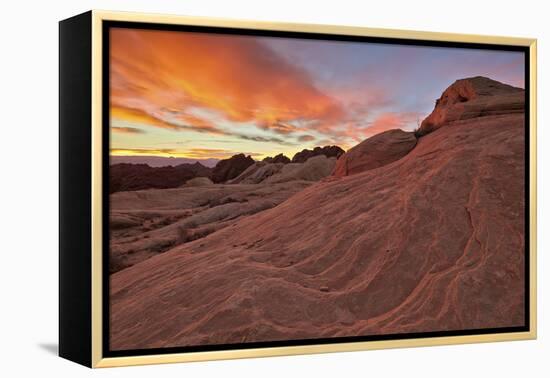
(28, 124)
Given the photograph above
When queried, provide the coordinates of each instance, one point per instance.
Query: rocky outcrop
(172, 217)
(471, 98)
(328, 151)
(257, 172)
(434, 241)
(314, 169)
(374, 152)
(277, 159)
(228, 169)
(125, 177)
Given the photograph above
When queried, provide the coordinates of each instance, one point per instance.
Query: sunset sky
(203, 96)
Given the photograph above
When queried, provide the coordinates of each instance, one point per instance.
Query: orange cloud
(198, 153)
(388, 121)
(280, 128)
(306, 138)
(127, 130)
(203, 153)
(236, 77)
(141, 116)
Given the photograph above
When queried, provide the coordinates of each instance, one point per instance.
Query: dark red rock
(277, 159)
(125, 176)
(228, 169)
(328, 151)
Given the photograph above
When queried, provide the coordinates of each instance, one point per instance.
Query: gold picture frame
(93, 24)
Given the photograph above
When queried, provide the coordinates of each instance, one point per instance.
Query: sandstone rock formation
(228, 169)
(473, 97)
(314, 169)
(377, 151)
(257, 172)
(434, 241)
(124, 177)
(171, 217)
(277, 159)
(328, 151)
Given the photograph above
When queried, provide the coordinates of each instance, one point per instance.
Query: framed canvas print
(236, 189)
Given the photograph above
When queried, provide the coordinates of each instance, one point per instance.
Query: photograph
(272, 189)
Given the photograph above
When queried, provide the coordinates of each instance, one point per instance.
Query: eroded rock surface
(147, 223)
(377, 151)
(433, 241)
(471, 98)
(228, 169)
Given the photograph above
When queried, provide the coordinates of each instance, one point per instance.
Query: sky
(198, 95)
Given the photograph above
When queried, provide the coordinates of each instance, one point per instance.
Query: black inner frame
(106, 25)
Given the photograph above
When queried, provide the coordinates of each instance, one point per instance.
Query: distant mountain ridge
(128, 177)
(161, 161)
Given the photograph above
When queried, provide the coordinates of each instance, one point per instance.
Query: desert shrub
(201, 233)
(163, 245)
(189, 232)
(119, 223)
(184, 234)
(116, 264)
(165, 221)
(224, 200)
(418, 133)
